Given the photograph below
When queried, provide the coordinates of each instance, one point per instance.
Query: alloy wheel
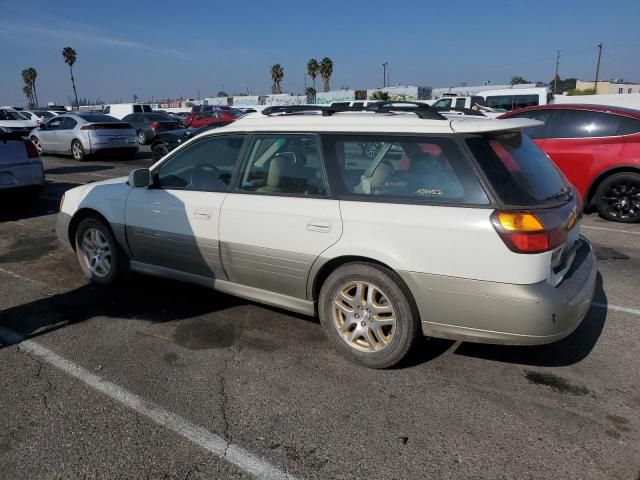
(622, 199)
(36, 144)
(76, 151)
(363, 316)
(97, 252)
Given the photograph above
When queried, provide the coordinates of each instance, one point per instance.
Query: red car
(597, 147)
(202, 119)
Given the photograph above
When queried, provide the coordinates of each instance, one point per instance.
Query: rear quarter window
(520, 173)
(628, 126)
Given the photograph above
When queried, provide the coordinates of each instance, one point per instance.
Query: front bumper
(62, 228)
(489, 312)
(21, 176)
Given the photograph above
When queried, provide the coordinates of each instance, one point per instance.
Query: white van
(512, 98)
(121, 110)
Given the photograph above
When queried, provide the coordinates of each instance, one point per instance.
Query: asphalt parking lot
(158, 379)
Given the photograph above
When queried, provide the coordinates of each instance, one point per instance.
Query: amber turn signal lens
(519, 222)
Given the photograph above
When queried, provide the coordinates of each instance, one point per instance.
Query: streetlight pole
(555, 79)
(384, 74)
(595, 87)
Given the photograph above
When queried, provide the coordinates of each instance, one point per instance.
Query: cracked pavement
(268, 381)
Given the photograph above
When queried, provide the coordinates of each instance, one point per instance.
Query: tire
(142, 137)
(92, 235)
(364, 341)
(36, 143)
(618, 198)
(159, 150)
(77, 151)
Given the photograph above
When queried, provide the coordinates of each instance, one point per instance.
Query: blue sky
(172, 48)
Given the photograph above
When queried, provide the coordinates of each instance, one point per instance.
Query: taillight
(155, 125)
(32, 151)
(524, 232)
(88, 127)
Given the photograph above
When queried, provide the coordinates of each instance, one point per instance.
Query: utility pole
(384, 74)
(595, 87)
(555, 78)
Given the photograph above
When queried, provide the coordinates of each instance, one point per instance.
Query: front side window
(107, 109)
(137, 108)
(583, 124)
(519, 171)
(541, 115)
(460, 102)
(55, 123)
(522, 101)
(206, 165)
(417, 169)
(284, 164)
(443, 103)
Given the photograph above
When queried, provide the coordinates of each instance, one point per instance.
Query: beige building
(607, 87)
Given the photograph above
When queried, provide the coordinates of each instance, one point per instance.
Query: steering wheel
(205, 177)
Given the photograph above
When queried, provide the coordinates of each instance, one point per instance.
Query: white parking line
(610, 229)
(617, 308)
(211, 442)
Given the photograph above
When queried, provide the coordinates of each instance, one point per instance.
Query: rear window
(97, 117)
(521, 174)
(159, 117)
(419, 169)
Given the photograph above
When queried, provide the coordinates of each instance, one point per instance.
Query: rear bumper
(22, 176)
(104, 148)
(490, 312)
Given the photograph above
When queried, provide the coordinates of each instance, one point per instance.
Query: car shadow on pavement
(140, 298)
(19, 206)
(567, 351)
(77, 169)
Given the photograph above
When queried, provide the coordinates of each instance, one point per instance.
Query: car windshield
(97, 117)
(521, 174)
(11, 115)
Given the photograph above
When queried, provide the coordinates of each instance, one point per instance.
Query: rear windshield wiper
(562, 194)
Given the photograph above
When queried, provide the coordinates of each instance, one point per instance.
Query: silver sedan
(82, 134)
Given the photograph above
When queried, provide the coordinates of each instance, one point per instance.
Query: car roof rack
(466, 111)
(420, 109)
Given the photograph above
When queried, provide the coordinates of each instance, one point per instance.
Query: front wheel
(368, 315)
(97, 252)
(77, 151)
(618, 198)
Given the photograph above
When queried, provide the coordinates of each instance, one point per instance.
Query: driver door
(173, 224)
(49, 135)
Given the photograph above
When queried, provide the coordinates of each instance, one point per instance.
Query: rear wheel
(368, 315)
(618, 197)
(77, 151)
(97, 251)
(142, 137)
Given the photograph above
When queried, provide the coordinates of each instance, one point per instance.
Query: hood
(18, 123)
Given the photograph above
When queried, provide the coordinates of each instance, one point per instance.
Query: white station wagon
(457, 228)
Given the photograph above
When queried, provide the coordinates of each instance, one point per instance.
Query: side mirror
(139, 178)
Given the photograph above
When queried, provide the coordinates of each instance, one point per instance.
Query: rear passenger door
(173, 224)
(279, 218)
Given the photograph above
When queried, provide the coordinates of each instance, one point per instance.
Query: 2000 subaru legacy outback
(457, 228)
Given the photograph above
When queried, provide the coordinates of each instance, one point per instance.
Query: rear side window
(521, 101)
(107, 109)
(418, 169)
(477, 101)
(521, 174)
(146, 108)
(628, 126)
(137, 108)
(68, 124)
(503, 102)
(443, 103)
(460, 102)
(583, 124)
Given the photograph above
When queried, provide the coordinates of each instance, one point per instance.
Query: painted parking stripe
(209, 441)
(617, 308)
(610, 229)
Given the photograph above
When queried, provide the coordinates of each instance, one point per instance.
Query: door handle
(202, 214)
(322, 225)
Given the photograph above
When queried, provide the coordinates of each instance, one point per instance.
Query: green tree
(29, 76)
(326, 70)
(312, 71)
(29, 94)
(586, 91)
(277, 74)
(310, 92)
(70, 57)
(379, 95)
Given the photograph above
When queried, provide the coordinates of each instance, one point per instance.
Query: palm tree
(28, 93)
(33, 74)
(310, 92)
(326, 70)
(277, 74)
(69, 55)
(312, 70)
